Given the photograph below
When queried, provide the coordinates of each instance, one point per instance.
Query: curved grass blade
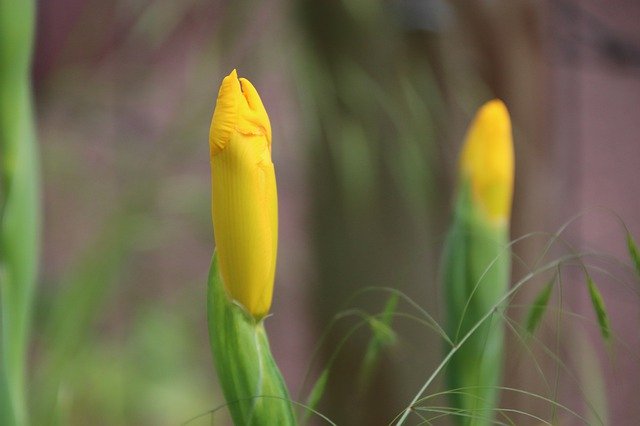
(316, 394)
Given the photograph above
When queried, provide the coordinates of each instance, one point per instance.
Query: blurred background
(369, 102)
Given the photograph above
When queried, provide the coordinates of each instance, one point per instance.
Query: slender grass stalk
(20, 204)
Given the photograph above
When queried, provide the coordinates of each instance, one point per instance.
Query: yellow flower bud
(244, 196)
(487, 161)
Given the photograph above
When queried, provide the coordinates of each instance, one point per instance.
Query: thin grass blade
(315, 395)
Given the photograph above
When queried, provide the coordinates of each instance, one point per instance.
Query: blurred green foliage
(373, 108)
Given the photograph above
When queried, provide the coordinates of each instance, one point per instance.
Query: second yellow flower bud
(487, 160)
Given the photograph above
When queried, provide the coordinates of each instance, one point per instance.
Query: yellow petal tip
(487, 160)
(225, 115)
(238, 109)
(257, 115)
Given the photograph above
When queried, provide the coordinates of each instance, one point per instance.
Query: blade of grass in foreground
(20, 209)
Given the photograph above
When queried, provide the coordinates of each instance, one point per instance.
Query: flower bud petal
(244, 195)
(487, 161)
(225, 115)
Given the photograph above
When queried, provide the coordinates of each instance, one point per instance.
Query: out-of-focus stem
(19, 204)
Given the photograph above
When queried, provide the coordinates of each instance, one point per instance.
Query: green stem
(250, 379)
(20, 208)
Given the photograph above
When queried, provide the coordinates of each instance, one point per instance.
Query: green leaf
(383, 335)
(539, 307)
(599, 307)
(382, 331)
(633, 252)
(316, 394)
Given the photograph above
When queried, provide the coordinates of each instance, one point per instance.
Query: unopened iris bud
(245, 222)
(487, 163)
(477, 263)
(244, 196)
